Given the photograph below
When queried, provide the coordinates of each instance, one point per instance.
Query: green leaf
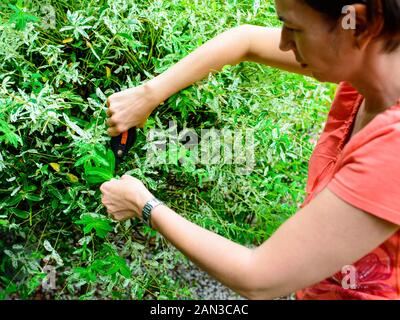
(85, 273)
(100, 225)
(125, 35)
(83, 160)
(125, 271)
(100, 161)
(20, 213)
(95, 175)
(33, 197)
(55, 192)
(30, 188)
(111, 160)
(7, 134)
(118, 264)
(21, 18)
(14, 200)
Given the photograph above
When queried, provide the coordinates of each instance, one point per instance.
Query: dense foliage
(59, 60)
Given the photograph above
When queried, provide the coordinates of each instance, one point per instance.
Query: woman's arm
(227, 48)
(244, 43)
(132, 107)
(314, 244)
(264, 48)
(310, 246)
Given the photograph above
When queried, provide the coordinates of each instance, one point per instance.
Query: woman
(344, 242)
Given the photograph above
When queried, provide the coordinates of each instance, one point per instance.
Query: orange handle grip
(124, 137)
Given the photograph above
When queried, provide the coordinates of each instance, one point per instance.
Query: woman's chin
(327, 76)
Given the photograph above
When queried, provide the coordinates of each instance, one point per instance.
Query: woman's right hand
(130, 108)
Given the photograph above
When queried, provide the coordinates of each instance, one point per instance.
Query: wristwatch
(148, 207)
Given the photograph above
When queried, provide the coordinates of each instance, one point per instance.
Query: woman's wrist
(148, 209)
(158, 89)
(139, 199)
(143, 202)
(154, 214)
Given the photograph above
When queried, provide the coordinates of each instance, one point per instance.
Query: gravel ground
(204, 287)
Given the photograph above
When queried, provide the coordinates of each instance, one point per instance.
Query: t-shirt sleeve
(369, 176)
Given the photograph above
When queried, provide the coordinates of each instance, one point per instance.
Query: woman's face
(327, 50)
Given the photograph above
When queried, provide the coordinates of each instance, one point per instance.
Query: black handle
(121, 144)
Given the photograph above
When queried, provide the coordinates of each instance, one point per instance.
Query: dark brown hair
(390, 13)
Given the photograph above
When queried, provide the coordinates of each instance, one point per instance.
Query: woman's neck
(379, 82)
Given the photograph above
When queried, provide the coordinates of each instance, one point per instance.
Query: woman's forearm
(228, 48)
(223, 259)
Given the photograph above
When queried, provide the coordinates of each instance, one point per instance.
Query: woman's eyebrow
(283, 19)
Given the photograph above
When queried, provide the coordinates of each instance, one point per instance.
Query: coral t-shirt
(365, 172)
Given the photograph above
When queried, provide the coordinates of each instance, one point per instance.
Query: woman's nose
(286, 43)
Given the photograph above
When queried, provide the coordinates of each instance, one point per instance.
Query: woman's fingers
(128, 108)
(113, 132)
(110, 122)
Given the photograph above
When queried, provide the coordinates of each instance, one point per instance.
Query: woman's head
(336, 39)
(388, 10)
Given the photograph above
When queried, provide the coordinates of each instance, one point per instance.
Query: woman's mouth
(304, 65)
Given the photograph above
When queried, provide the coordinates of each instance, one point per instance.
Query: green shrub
(55, 76)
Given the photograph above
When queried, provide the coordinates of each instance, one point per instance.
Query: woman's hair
(390, 13)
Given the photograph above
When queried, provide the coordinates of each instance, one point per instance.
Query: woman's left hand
(124, 198)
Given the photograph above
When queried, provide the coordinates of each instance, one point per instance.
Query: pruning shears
(121, 144)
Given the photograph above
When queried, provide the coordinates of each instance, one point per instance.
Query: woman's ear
(367, 30)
